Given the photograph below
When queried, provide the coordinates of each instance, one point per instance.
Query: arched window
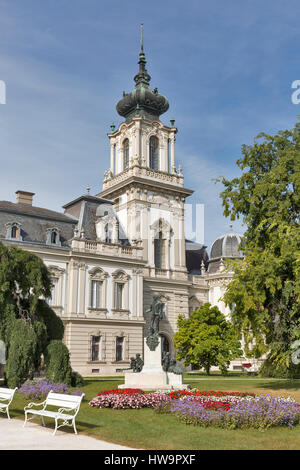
(126, 154)
(159, 249)
(153, 153)
(14, 231)
(53, 237)
(108, 237)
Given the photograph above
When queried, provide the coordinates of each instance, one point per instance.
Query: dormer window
(13, 231)
(53, 237)
(108, 236)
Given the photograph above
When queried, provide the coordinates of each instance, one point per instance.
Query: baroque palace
(111, 253)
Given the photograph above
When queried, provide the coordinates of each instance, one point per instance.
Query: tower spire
(142, 76)
(142, 37)
(142, 101)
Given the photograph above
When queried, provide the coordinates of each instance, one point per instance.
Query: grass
(144, 429)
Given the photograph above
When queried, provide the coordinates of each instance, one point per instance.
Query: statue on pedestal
(157, 314)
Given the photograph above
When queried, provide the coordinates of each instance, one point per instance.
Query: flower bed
(245, 412)
(122, 400)
(39, 388)
(229, 410)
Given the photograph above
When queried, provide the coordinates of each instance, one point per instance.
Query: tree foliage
(264, 295)
(27, 323)
(206, 339)
(57, 360)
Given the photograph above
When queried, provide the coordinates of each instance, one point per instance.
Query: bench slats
(61, 400)
(6, 392)
(62, 403)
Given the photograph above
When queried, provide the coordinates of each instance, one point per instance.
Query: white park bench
(6, 396)
(68, 407)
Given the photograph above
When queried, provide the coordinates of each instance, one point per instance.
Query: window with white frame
(120, 290)
(97, 288)
(96, 348)
(53, 300)
(53, 237)
(120, 342)
(13, 231)
(96, 294)
(119, 295)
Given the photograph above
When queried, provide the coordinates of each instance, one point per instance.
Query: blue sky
(226, 68)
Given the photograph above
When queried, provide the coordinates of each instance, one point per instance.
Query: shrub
(54, 324)
(39, 389)
(269, 369)
(57, 361)
(22, 353)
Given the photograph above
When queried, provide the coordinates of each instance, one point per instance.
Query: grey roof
(35, 222)
(26, 209)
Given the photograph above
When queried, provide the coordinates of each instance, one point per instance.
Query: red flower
(207, 393)
(121, 391)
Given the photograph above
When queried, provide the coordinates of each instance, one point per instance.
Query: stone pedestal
(153, 377)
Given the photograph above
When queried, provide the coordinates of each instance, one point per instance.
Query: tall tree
(206, 339)
(27, 323)
(264, 295)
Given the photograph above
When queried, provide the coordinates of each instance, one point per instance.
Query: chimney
(24, 197)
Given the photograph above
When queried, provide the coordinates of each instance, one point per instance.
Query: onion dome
(142, 101)
(225, 247)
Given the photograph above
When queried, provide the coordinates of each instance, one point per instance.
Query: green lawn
(143, 429)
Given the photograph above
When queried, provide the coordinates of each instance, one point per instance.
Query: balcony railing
(143, 172)
(109, 249)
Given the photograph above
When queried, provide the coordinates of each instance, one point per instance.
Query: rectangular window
(119, 290)
(53, 299)
(159, 252)
(95, 348)
(96, 288)
(119, 348)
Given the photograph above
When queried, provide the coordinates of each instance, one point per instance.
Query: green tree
(206, 339)
(57, 360)
(264, 295)
(27, 323)
(22, 353)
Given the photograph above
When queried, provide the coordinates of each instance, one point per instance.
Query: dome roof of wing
(226, 246)
(142, 101)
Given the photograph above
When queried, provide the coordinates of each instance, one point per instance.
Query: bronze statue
(170, 364)
(157, 311)
(136, 364)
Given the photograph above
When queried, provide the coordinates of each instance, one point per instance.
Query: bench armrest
(61, 410)
(31, 404)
